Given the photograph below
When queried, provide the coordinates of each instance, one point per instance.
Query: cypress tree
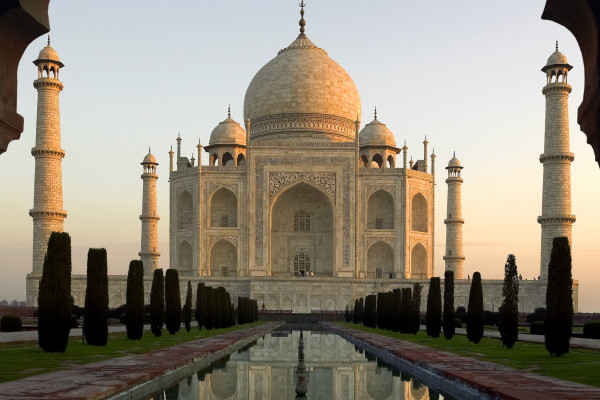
(157, 302)
(433, 318)
(370, 315)
(475, 310)
(186, 313)
(95, 325)
(509, 310)
(210, 309)
(224, 307)
(217, 307)
(416, 308)
(135, 300)
(347, 314)
(559, 299)
(380, 312)
(201, 305)
(448, 318)
(355, 313)
(172, 301)
(361, 310)
(54, 298)
(240, 311)
(405, 310)
(396, 309)
(231, 315)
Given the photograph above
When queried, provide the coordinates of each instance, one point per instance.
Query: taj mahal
(302, 206)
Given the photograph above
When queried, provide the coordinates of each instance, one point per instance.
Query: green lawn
(579, 365)
(20, 360)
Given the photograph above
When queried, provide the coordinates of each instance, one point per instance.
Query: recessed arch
(185, 210)
(184, 256)
(391, 161)
(302, 264)
(318, 242)
(223, 259)
(418, 262)
(380, 260)
(380, 383)
(223, 209)
(419, 215)
(223, 383)
(214, 159)
(380, 210)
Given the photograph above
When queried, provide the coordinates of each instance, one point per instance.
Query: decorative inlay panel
(212, 239)
(213, 187)
(323, 180)
(391, 189)
(415, 241)
(184, 238)
(294, 122)
(180, 189)
(389, 240)
(262, 162)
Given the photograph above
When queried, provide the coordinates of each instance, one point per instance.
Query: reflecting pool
(268, 370)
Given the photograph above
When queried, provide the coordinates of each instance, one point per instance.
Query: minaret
(556, 218)
(149, 253)
(47, 212)
(454, 248)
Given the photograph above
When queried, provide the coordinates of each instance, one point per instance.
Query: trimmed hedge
(433, 317)
(10, 323)
(591, 330)
(157, 302)
(475, 310)
(201, 305)
(537, 328)
(186, 313)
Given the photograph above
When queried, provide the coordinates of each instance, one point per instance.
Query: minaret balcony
(149, 217)
(557, 157)
(58, 214)
(556, 219)
(454, 221)
(47, 82)
(36, 151)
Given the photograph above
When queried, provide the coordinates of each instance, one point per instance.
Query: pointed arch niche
(418, 262)
(223, 259)
(380, 261)
(380, 210)
(223, 209)
(419, 214)
(184, 210)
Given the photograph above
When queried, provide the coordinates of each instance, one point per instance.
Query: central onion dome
(302, 93)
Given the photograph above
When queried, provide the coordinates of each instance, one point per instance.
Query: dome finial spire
(557, 45)
(48, 40)
(375, 112)
(229, 111)
(454, 154)
(302, 22)
(149, 150)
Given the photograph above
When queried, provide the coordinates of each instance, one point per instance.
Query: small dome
(376, 133)
(48, 53)
(556, 58)
(149, 159)
(454, 163)
(228, 132)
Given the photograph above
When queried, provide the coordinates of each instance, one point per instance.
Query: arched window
(301, 263)
(302, 221)
(377, 161)
(391, 161)
(363, 162)
(419, 213)
(227, 160)
(184, 210)
(223, 259)
(241, 160)
(214, 159)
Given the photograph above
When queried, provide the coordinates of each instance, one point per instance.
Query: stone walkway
(32, 336)
(109, 378)
(494, 380)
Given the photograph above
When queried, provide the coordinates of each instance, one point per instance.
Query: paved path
(492, 379)
(111, 377)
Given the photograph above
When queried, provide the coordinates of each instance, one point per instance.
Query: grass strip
(579, 365)
(20, 360)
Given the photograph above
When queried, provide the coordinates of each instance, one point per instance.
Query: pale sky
(466, 74)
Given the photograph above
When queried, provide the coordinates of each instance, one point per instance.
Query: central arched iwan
(302, 220)
(380, 261)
